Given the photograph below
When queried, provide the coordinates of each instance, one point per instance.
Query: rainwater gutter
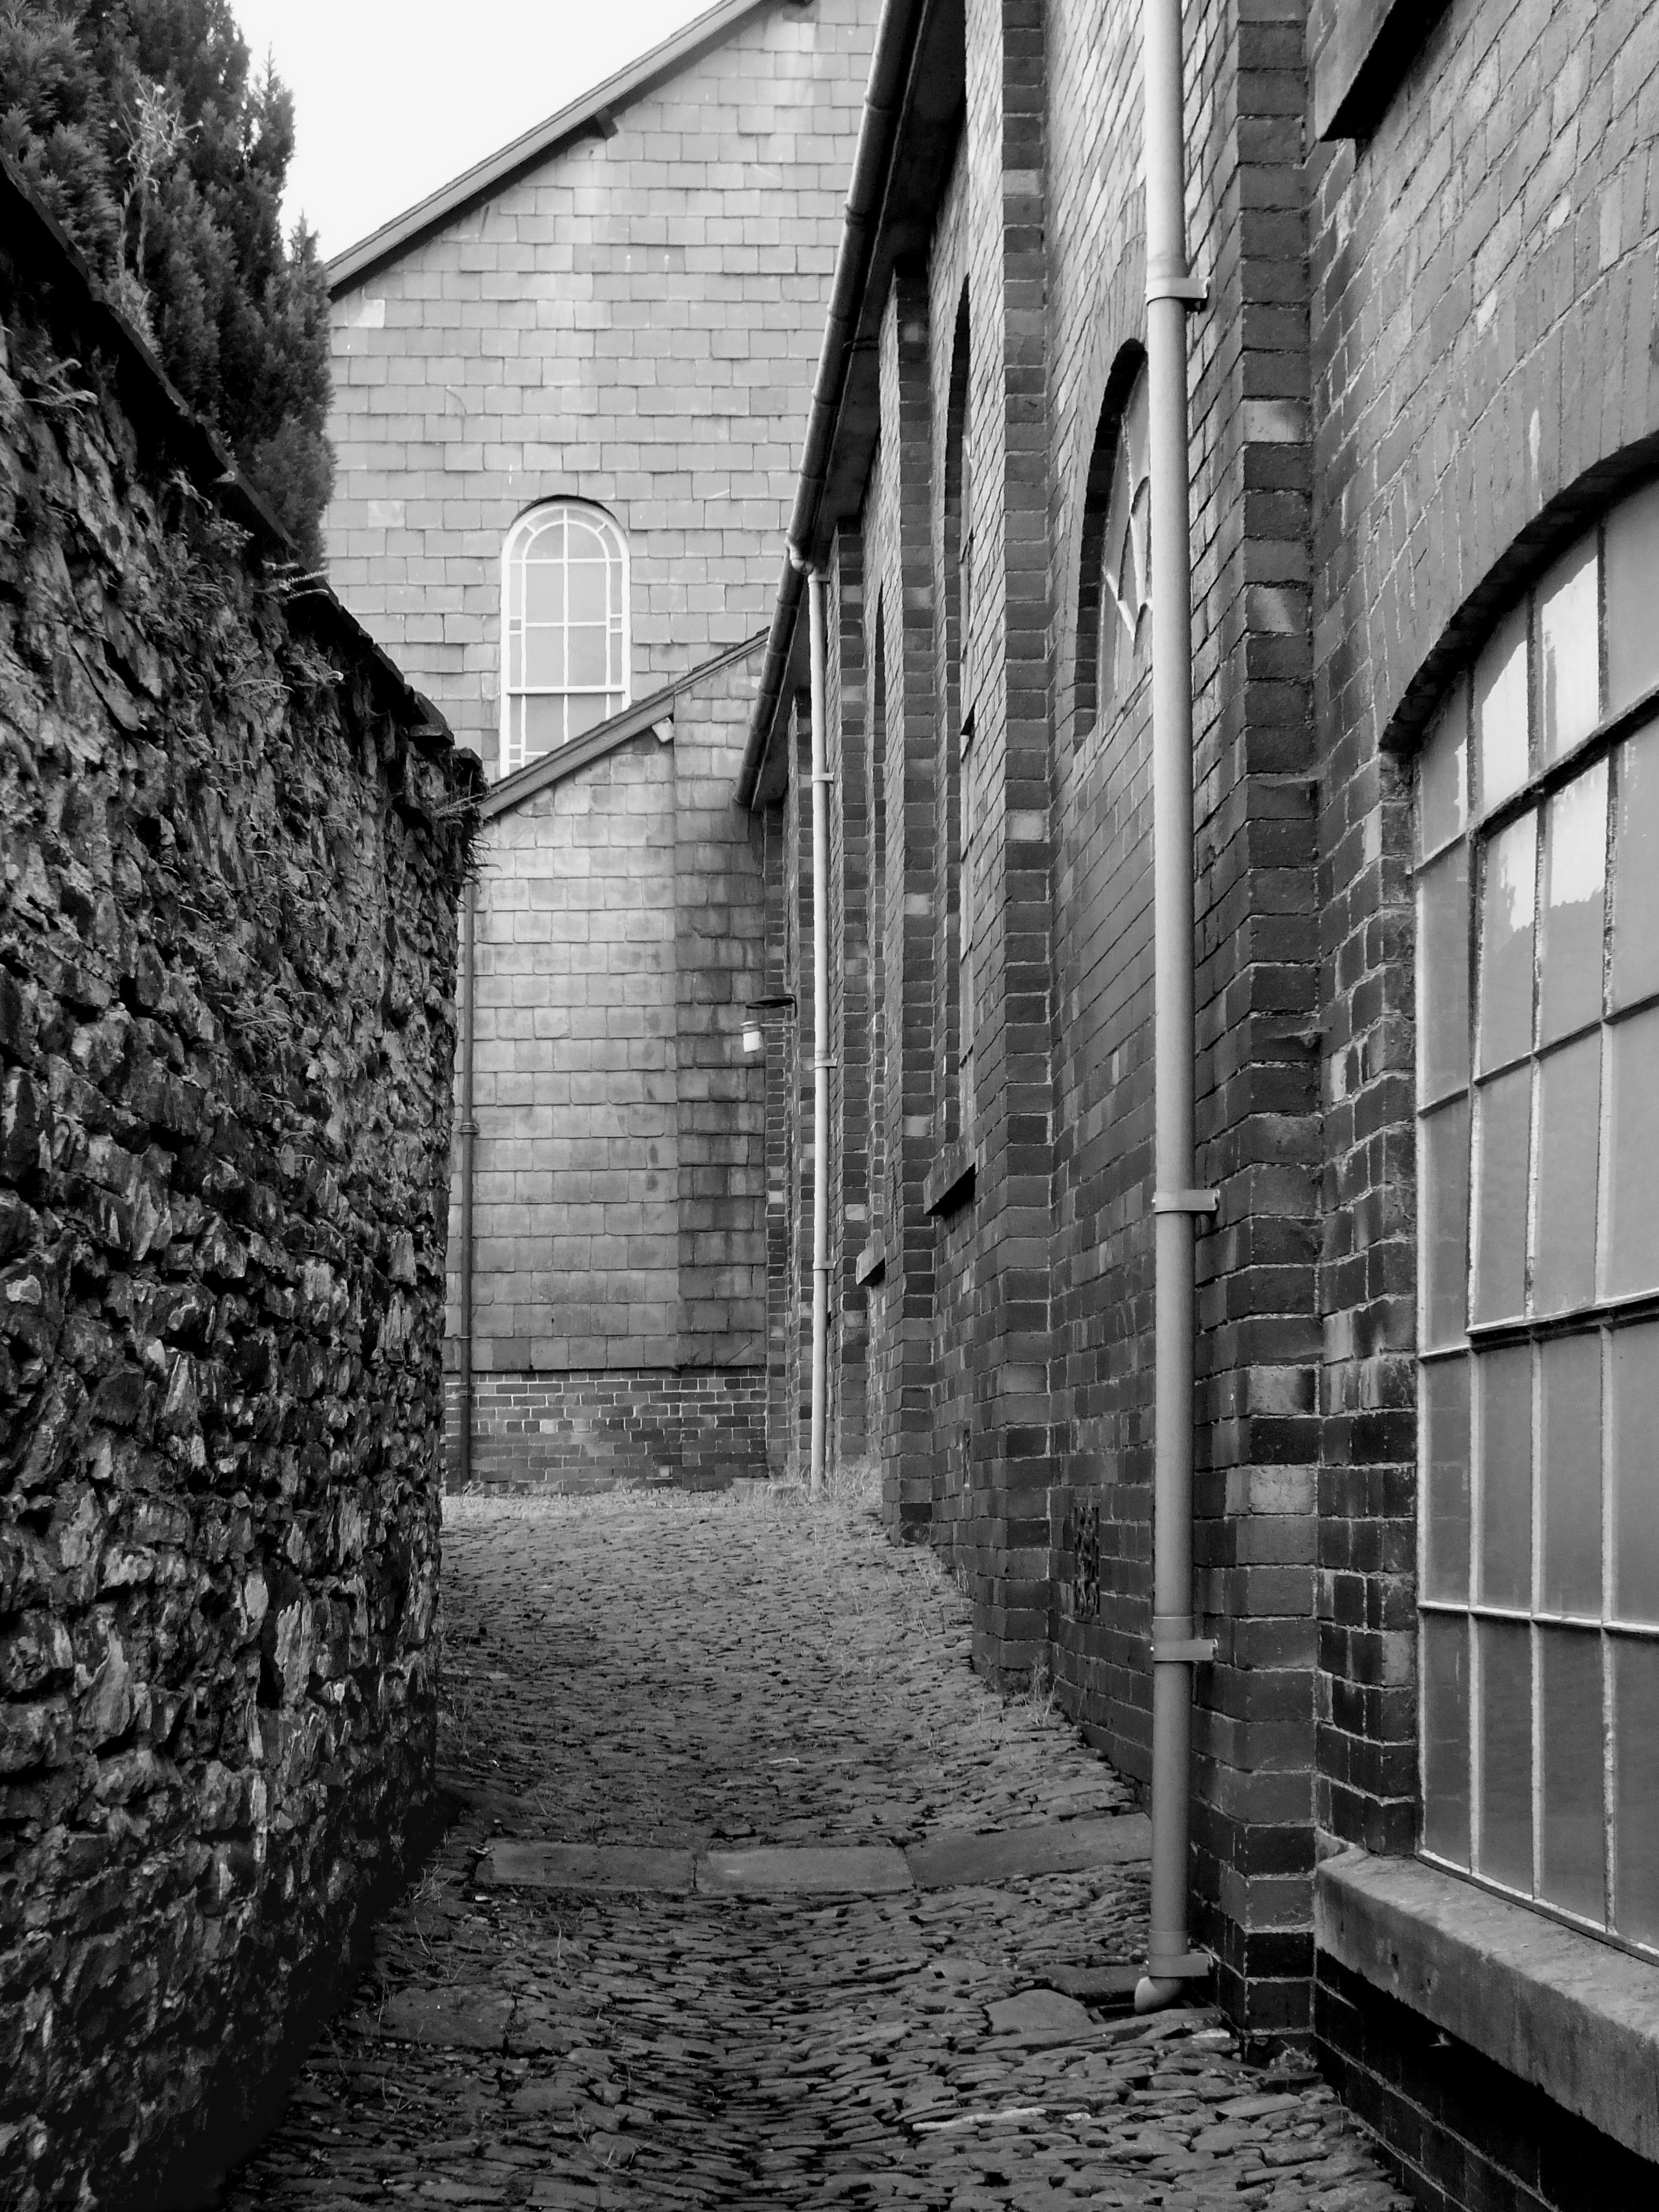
(821, 1056)
(1172, 292)
(884, 103)
(467, 1129)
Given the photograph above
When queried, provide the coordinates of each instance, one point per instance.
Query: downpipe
(821, 1059)
(1170, 293)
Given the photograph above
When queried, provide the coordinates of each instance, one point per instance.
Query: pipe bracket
(1184, 1652)
(1192, 291)
(1186, 1201)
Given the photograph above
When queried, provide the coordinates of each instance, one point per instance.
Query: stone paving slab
(1041, 2016)
(804, 1870)
(586, 1866)
(710, 1677)
(954, 1860)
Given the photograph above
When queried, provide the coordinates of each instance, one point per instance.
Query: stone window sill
(950, 1183)
(1364, 53)
(871, 1263)
(1576, 2017)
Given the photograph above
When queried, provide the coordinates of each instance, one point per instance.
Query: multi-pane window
(1538, 1164)
(566, 629)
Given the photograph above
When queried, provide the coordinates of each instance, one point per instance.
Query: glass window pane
(544, 658)
(587, 656)
(1509, 896)
(588, 592)
(1445, 1424)
(544, 591)
(614, 671)
(515, 590)
(1570, 1431)
(1571, 1872)
(544, 724)
(1569, 643)
(1633, 588)
(1500, 711)
(586, 709)
(1575, 870)
(1504, 1848)
(1635, 966)
(514, 736)
(1443, 1180)
(1442, 783)
(1446, 1736)
(1633, 1474)
(514, 659)
(1503, 1114)
(1569, 1130)
(1503, 1385)
(1442, 976)
(1636, 1790)
(1633, 1231)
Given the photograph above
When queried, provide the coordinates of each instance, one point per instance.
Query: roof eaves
(592, 110)
(605, 736)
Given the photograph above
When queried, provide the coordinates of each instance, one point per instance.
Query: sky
(392, 98)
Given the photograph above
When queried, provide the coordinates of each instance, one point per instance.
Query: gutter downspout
(821, 1058)
(468, 1131)
(1170, 292)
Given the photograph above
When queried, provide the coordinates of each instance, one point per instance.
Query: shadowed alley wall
(232, 842)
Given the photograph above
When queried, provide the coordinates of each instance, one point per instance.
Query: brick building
(566, 389)
(1424, 412)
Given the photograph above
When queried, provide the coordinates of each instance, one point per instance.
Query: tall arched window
(1538, 1182)
(961, 916)
(1114, 588)
(565, 628)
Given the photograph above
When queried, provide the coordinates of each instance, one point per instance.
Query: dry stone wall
(231, 842)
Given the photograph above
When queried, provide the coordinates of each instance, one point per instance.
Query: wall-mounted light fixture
(753, 1035)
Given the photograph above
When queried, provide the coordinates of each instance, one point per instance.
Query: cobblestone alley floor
(709, 1675)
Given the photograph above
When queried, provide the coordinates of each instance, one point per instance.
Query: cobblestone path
(709, 1673)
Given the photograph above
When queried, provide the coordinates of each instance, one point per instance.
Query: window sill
(1577, 2018)
(871, 1263)
(1364, 54)
(950, 1183)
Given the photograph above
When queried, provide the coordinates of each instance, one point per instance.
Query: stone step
(951, 1860)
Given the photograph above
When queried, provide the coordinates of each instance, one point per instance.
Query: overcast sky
(392, 98)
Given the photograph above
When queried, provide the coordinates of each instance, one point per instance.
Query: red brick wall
(697, 1428)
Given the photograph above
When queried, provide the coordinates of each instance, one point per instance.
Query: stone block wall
(231, 844)
(634, 321)
(617, 1179)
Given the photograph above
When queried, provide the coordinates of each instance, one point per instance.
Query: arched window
(1115, 589)
(565, 598)
(1538, 1182)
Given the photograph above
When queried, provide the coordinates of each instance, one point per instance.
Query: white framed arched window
(564, 599)
(1125, 573)
(1115, 579)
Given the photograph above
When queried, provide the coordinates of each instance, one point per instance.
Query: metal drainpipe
(469, 1130)
(821, 1060)
(1170, 291)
